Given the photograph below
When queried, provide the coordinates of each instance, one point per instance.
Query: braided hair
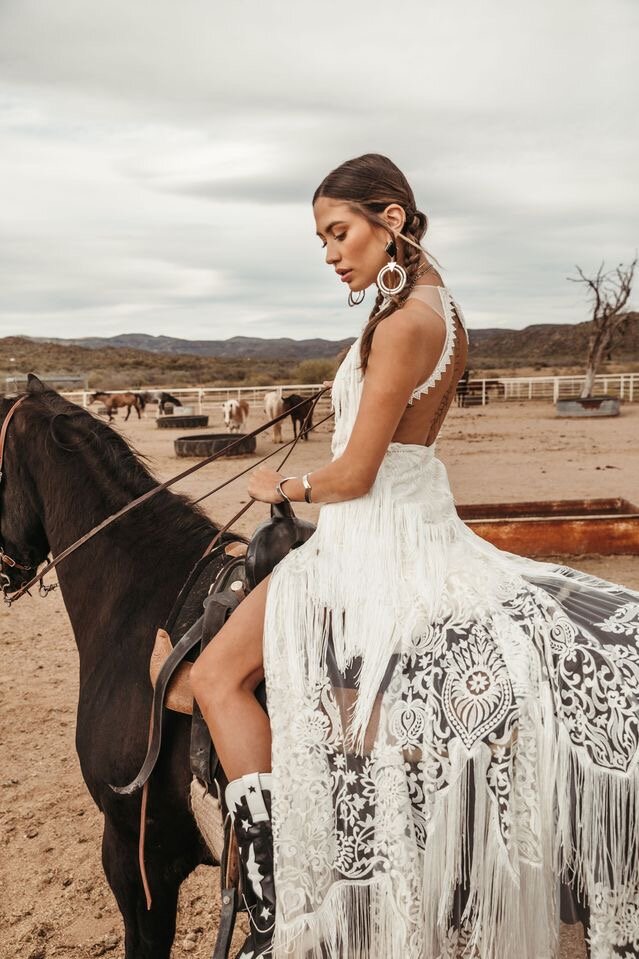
(369, 184)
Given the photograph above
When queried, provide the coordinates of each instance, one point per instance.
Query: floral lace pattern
(455, 732)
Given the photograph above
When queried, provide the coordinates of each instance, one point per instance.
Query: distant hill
(552, 343)
(138, 358)
(283, 348)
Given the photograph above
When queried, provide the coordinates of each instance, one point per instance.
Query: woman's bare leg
(224, 679)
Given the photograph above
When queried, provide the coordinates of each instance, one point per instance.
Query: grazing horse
(274, 406)
(302, 416)
(161, 397)
(235, 414)
(114, 401)
(64, 471)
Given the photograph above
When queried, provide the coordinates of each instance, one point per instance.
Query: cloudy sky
(159, 156)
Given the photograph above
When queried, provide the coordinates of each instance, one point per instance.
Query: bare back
(431, 400)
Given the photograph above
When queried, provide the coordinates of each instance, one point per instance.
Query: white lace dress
(455, 729)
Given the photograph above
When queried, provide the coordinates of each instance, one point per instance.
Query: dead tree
(610, 292)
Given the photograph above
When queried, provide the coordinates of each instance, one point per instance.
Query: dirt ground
(53, 897)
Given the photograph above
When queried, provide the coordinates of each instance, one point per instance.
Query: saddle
(214, 588)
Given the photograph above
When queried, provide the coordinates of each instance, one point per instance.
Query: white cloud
(160, 157)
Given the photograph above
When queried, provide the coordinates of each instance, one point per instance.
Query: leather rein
(6, 560)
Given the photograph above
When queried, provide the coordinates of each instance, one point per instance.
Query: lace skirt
(455, 733)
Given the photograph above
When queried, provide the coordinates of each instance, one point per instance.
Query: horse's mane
(76, 430)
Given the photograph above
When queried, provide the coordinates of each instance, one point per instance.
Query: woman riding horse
(453, 730)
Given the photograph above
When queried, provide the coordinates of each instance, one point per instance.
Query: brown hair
(369, 184)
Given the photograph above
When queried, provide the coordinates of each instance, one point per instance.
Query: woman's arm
(395, 364)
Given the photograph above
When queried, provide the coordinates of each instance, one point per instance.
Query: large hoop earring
(391, 267)
(352, 301)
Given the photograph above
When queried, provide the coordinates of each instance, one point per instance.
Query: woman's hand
(262, 483)
(327, 384)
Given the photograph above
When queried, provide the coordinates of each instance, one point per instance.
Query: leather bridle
(5, 558)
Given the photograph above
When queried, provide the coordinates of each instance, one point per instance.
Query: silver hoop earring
(352, 301)
(391, 267)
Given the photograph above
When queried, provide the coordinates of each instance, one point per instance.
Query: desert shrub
(262, 379)
(313, 371)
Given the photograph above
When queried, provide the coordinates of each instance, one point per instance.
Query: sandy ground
(53, 897)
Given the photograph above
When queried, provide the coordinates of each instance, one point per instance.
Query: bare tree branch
(610, 291)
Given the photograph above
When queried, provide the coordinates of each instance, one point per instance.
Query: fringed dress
(455, 729)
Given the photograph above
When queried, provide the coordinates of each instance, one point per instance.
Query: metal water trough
(588, 406)
(561, 527)
(205, 444)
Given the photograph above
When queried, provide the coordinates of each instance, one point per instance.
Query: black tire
(181, 422)
(208, 443)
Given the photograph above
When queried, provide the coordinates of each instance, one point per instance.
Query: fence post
(199, 400)
(483, 392)
(555, 389)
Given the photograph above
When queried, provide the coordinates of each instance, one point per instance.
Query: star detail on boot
(253, 871)
(246, 824)
(265, 913)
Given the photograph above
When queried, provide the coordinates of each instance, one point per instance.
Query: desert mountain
(550, 343)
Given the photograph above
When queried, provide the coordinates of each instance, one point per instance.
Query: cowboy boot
(249, 803)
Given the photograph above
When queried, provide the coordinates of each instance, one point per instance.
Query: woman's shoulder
(414, 326)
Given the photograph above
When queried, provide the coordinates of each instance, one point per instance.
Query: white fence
(208, 399)
(504, 388)
(623, 385)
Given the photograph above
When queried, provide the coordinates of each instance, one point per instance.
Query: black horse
(161, 397)
(64, 471)
(302, 416)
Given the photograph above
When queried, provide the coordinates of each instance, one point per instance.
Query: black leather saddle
(200, 611)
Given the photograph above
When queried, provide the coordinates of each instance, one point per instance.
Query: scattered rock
(188, 945)
(39, 952)
(31, 832)
(107, 944)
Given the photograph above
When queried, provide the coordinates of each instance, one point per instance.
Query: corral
(56, 901)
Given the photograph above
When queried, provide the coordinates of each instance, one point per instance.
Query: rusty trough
(566, 527)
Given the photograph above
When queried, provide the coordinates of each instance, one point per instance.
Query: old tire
(206, 444)
(181, 422)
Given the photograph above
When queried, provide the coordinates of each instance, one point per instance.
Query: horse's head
(95, 396)
(228, 408)
(23, 541)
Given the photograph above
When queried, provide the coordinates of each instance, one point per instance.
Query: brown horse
(114, 401)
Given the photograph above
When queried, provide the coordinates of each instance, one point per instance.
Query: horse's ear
(34, 385)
